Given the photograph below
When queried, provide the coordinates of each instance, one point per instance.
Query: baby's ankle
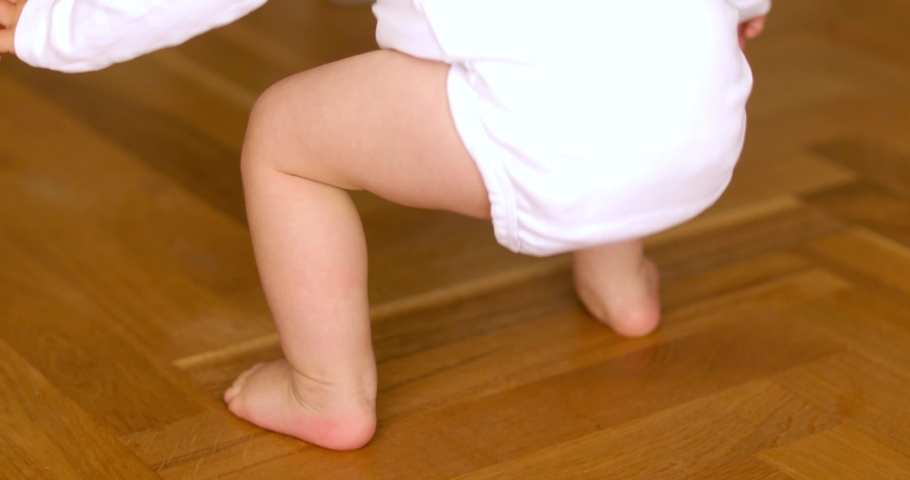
(347, 411)
(339, 416)
(328, 394)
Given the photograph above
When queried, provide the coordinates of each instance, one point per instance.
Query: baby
(574, 126)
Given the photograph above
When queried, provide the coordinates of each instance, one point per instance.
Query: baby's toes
(231, 393)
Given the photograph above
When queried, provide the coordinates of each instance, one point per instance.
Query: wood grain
(756, 417)
(507, 425)
(45, 435)
(871, 398)
(843, 453)
(129, 297)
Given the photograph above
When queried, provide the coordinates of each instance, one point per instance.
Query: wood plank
(562, 408)
(70, 324)
(787, 134)
(439, 248)
(764, 174)
(170, 314)
(161, 142)
(283, 38)
(464, 332)
(725, 279)
(882, 260)
(404, 243)
(797, 69)
(802, 68)
(747, 469)
(841, 452)
(874, 162)
(879, 121)
(224, 263)
(719, 217)
(876, 25)
(226, 88)
(81, 173)
(704, 251)
(870, 206)
(524, 270)
(870, 398)
(802, 16)
(488, 364)
(870, 119)
(874, 322)
(45, 435)
(724, 428)
(208, 445)
(77, 344)
(423, 329)
(787, 309)
(482, 366)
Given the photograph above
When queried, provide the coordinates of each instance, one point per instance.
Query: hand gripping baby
(9, 16)
(573, 126)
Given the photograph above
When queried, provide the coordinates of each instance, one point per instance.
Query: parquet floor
(129, 298)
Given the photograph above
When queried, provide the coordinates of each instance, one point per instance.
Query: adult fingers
(754, 27)
(9, 13)
(6, 41)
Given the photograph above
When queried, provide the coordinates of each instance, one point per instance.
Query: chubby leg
(619, 286)
(380, 122)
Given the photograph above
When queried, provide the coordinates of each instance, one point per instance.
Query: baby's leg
(619, 286)
(379, 122)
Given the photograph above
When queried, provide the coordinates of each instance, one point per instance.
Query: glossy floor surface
(129, 298)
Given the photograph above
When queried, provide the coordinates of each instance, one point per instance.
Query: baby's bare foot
(633, 308)
(619, 286)
(275, 397)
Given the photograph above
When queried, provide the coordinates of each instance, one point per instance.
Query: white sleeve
(749, 9)
(84, 35)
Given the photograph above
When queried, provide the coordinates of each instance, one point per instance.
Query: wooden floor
(129, 298)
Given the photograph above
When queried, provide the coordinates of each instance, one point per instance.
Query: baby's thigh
(379, 122)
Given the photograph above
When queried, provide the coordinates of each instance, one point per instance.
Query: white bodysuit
(591, 121)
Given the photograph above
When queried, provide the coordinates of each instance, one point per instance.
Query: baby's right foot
(619, 286)
(276, 397)
(633, 308)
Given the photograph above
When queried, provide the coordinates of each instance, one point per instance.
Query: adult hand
(9, 17)
(748, 29)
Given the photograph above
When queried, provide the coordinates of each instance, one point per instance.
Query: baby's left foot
(276, 397)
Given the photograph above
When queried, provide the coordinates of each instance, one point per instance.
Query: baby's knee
(276, 124)
(269, 112)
